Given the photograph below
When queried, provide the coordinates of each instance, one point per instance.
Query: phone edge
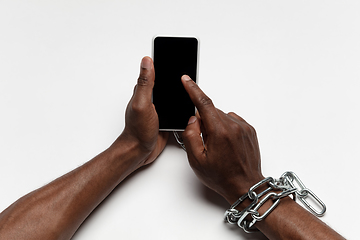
(197, 67)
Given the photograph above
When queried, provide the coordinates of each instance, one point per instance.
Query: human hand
(227, 159)
(141, 120)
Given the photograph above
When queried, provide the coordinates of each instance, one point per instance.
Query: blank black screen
(173, 57)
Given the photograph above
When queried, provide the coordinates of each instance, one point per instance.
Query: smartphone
(174, 57)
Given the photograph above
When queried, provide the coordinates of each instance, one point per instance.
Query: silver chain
(286, 183)
(179, 140)
(289, 184)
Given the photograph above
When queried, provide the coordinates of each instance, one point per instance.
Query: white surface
(290, 68)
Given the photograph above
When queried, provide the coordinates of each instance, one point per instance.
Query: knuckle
(143, 80)
(248, 130)
(205, 101)
(136, 107)
(236, 117)
(251, 129)
(241, 129)
(234, 126)
(187, 134)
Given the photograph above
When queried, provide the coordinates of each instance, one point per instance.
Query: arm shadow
(214, 199)
(208, 196)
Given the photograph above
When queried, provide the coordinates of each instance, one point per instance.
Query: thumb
(192, 139)
(145, 82)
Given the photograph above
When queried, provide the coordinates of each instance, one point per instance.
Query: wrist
(240, 187)
(129, 151)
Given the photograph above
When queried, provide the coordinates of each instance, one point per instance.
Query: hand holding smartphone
(174, 57)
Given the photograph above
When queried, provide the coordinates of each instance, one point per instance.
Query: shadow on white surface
(194, 203)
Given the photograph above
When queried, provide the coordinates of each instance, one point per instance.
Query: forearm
(56, 210)
(289, 220)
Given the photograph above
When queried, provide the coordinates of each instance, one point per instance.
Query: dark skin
(56, 210)
(228, 162)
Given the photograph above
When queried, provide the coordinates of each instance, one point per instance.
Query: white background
(290, 68)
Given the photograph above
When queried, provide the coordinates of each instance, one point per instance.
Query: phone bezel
(197, 66)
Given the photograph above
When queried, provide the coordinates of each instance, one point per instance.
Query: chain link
(289, 184)
(179, 140)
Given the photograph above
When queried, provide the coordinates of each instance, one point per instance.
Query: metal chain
(286, 183)
(289, 184)
(179, 140)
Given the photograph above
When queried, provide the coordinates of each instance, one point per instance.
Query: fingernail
(186, 78)
(192, 120)
(146, 63)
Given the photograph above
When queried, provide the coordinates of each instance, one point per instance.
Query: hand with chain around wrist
(224, 153)
(216, 157)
